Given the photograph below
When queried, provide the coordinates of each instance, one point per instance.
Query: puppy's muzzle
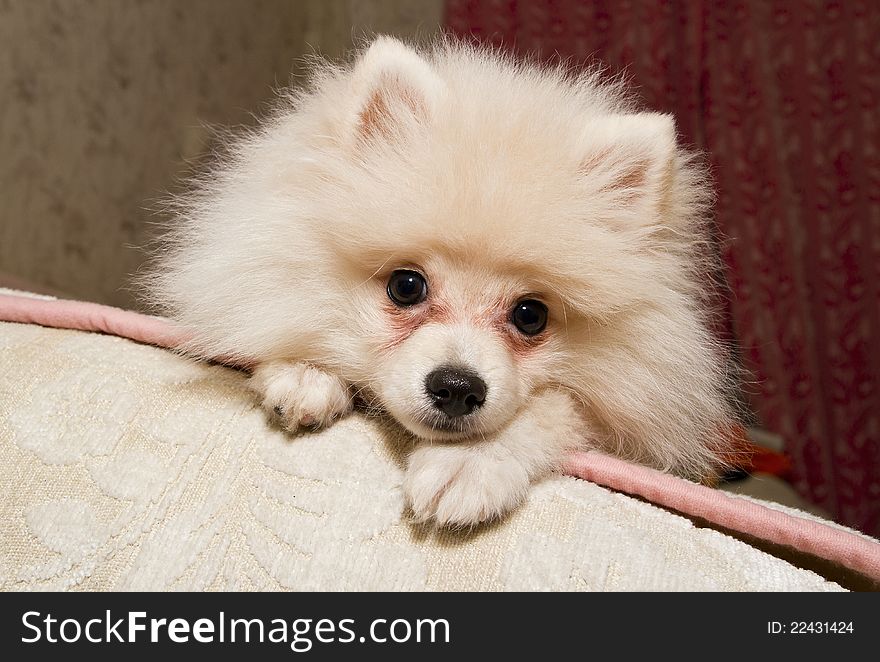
(455, 392)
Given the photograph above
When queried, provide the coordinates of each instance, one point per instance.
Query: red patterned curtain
(784, 96)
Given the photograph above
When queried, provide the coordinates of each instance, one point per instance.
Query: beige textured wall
(103, 101)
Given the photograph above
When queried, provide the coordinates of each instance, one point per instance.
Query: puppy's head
(452, 232)
(508, 229)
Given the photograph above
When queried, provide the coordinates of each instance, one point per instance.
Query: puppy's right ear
(394, 89)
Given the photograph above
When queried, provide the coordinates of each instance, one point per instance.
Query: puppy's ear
(631, 157)
(393, 89)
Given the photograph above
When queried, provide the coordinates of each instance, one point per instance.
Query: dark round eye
(407, 288)
(529, 316)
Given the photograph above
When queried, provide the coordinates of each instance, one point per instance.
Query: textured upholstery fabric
(124, 466)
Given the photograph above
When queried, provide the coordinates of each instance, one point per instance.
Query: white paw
(300, 395)
(463, 485)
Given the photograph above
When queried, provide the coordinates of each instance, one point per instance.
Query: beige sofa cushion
(125, 467)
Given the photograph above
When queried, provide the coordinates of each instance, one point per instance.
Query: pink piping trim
(806, 535)
(847, 549)
(85, 316)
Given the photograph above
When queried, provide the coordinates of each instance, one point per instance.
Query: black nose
(457, 392)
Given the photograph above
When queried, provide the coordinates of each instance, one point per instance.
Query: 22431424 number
(810, 627)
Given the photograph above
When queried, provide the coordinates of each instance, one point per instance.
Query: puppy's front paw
(461, 486)
(300, 395)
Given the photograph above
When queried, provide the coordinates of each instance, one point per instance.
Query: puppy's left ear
(394, 89)
(631, 158)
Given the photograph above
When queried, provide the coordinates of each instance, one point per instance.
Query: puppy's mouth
(440, 425)
(428, 422)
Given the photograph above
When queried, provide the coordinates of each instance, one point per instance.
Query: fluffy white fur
(496, 180)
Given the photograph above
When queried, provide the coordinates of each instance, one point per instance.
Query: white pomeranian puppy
(505, 259)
